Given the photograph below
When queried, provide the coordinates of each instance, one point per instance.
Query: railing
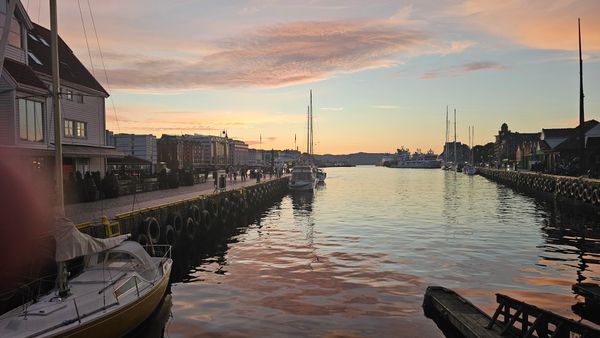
(525, 320)
(158, 250)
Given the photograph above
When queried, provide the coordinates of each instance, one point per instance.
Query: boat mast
(58, 165)
(455, 164)
(307, 132)
(446, 141)
(472, 145)
(61, 272)
(311, 127)
(581, 96)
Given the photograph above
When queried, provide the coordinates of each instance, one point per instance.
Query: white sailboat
(305, 175)
(121, 284)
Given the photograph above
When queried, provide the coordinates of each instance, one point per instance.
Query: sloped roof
(23, 74)
(572, 143)
(71, 69)
(558, 132)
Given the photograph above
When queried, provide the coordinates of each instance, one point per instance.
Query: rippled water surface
(355, 258)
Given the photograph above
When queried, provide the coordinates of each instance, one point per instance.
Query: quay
(178, 215)
(578, 191)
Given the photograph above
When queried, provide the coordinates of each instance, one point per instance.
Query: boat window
(128, 285)
(302, 176)
(121, 260)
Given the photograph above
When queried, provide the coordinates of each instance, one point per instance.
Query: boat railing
(158, 250)
(526, 320)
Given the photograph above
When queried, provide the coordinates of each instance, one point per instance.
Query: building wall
(142, 146)
(7, 113)
(91, 111)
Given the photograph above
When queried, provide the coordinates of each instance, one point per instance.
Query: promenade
(93, 211)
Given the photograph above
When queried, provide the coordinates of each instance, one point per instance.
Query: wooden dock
(457, 317)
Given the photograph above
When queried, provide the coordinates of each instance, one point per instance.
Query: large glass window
(31, 120)
(14, 35)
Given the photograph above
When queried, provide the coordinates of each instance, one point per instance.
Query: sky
(382, 72)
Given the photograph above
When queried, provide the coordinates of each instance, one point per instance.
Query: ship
(404, 159)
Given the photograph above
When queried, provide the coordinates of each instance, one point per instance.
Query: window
(14, 36)
(76, 129)
(33, 37)
(43, 41)
(34, 58)
(31, 121)
(79, 98)
(69, 128)
(69, 94)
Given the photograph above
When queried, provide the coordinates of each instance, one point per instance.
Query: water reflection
(155, 326)
(354, 258)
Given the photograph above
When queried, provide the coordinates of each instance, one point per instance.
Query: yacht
(303, 178)
(404, 159)
(120, 286)
(321, 175)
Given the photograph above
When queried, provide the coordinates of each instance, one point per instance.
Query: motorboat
(120, 286)
(303, 178)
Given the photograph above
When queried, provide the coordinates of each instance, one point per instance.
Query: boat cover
(71, 243)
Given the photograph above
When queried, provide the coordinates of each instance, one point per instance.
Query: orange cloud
(538, 23)
(274, 56)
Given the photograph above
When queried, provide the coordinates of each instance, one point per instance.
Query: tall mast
(472, 145)
(469, 137)
(311, 126)
(446, 141)
(456, 165)
(58, 166)
(63, 289)
(581, 113)
(307, 130)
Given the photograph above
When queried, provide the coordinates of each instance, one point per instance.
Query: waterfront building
(170, 151)
(507, 142)
(238, 153)
(26, 121)
(140, 146)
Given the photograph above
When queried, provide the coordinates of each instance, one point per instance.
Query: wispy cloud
(275, 56)
(332, 108)
(383, 106)
(462, 69)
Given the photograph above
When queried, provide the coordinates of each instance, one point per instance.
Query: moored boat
(120, 286)
(303, 178)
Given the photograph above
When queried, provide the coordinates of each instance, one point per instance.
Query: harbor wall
(187, 220)
(576, 191)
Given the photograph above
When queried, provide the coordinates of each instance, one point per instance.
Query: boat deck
(456, 316)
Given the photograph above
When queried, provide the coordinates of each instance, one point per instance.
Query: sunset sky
(382, 72)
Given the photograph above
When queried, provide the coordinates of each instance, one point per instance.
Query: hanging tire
(142, 239)
(194, 213)
(174, 220)
(151, 228)
(190, 229)
(206, 221)
(169, 237)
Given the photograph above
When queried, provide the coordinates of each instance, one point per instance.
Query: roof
(572, 143)
(23, 74)
(557, 132)
(71, 69)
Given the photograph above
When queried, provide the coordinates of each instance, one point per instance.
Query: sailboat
(120, 285)
(469, 169)
(305, 175)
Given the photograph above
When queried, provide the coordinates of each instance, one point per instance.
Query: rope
(86, 38)
(104, 66)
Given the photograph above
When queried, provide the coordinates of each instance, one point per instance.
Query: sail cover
(71, 243)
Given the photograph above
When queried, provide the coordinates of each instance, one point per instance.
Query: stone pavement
(93, 211)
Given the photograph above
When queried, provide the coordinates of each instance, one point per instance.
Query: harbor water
(354, 258)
